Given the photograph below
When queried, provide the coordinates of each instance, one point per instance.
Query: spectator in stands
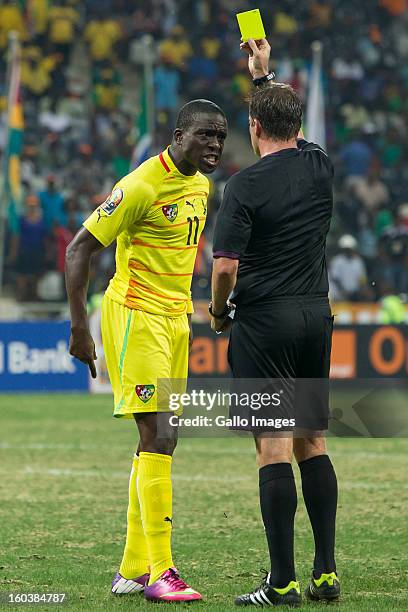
(63, 20)
(177, 48)
(370, 191)
(383, 219)
(347, 273)
(102, 35)
(75, 216)
(120, 163)
(106, 88)
(58, 89)
(87, 173)
(36, 70)
(11, 20)
(167, 86)
(394, 241)
(356, 156)
(203, 70)
(62, 237)
(392, 147)
(28, 250)
(211, 45)
(285, 23)
(38, 14)
(52, 204)
(348, 67)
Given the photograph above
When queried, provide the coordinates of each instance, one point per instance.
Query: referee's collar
(282, 153)
(169, 165)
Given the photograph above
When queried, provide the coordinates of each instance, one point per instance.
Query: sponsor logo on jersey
(110, 204)
(170, 211)
(145, 392)
(198, 201)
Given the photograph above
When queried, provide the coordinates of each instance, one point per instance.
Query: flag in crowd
(15, 127)
(315, 110)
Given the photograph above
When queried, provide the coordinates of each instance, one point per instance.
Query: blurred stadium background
(87, 90)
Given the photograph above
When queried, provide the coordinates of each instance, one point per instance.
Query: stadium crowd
(79, 61)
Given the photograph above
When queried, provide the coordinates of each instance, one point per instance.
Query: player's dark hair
(278, 108)
(189, 112)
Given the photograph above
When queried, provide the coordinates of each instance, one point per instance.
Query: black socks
(319, 486)
(277, 492)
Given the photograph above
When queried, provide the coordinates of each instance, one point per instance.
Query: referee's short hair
(278, 108)
(189, 112)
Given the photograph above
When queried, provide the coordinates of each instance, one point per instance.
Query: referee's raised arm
(225, 265)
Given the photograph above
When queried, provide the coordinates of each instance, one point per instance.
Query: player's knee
(270, 451)
(159, 446)
(306, 448)
(268, 454)
(156, 434)
(270, 458)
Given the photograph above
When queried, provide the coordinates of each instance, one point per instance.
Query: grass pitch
(64, 466)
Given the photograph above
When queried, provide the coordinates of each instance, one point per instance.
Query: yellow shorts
(141, 349)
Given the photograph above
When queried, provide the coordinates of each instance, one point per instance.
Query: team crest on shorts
(111, 203)
(170, 211)
(145, 392)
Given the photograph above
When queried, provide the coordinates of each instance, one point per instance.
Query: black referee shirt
(274, 218)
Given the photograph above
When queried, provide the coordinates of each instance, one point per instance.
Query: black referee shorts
(284, 347)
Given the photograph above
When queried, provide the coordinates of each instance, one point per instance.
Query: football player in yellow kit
(156, 214)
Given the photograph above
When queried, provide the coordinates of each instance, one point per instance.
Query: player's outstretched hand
(82, 346)
(258, 56)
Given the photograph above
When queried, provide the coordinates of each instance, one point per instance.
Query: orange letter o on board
(375, 350)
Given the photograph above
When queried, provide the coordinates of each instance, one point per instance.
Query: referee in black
(269, 250)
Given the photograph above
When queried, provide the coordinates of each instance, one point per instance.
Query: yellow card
(250, 24)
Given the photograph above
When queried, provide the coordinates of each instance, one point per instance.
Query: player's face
(203, 143)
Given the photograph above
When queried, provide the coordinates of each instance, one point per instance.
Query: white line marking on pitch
(47, 446)
(189, 448)
(80, 473)
(28, 470)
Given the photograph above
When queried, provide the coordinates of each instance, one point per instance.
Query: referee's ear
(257, 127)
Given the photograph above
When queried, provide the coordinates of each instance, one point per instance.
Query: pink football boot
(170, 587)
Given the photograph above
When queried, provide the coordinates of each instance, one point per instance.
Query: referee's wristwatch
(223, 315)
(264, 79)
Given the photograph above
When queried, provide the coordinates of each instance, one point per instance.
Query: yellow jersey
(157, 214)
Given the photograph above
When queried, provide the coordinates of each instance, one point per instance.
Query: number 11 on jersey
(190, 229)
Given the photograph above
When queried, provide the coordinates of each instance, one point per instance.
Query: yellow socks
(155, 496)
(148, 539)
(135, 560)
